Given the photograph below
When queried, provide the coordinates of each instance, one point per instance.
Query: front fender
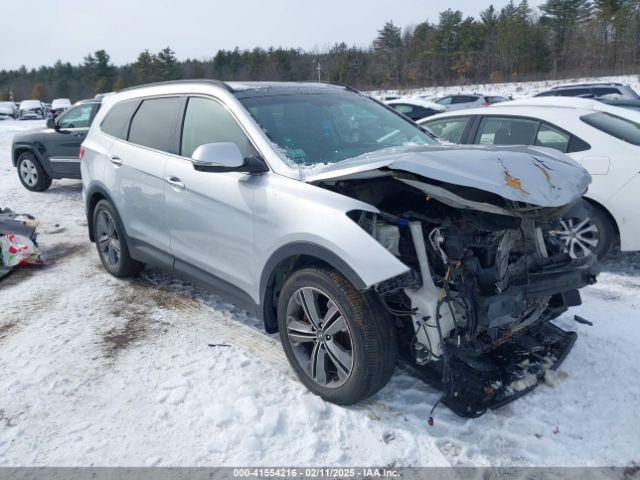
(17, 147)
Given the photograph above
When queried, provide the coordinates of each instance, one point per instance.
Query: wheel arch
(603, 209)
(94, 195)
(286, 260)
(26, 148)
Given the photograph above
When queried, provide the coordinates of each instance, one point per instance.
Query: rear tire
(31, 174)
(111, 242)
(348, 352)
(593, 234)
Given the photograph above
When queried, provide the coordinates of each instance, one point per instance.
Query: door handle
(117, 161)
(175, 182)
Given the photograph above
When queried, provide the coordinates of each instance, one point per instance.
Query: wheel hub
(28, 172)
(319, 337)
(580, 236)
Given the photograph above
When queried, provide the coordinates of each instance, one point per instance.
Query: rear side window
(115, 121)
(506, 131)
(154, 123)
(207, 121)
(600, 91)
(449, 129)
(551, 137)
(618, 127)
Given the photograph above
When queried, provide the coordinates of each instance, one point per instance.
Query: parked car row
(419, 107)
(33, 109)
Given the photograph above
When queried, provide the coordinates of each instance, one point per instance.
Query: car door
(63, 141)
(137, 176)
(210, 214)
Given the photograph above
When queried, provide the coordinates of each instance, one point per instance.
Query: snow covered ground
(514, 89)
(100, 371)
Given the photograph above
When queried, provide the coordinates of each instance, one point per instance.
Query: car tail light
(81, 153)
(486, 104)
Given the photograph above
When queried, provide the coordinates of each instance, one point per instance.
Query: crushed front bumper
(496, 378)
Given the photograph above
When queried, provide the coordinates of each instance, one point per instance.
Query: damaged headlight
(383, 227)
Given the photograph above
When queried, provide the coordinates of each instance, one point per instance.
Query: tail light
(81, 153)
(486, 104)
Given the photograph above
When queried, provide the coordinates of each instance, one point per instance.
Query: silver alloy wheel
(319, 337)
(107, 238)
(28, 172)
(580, 237)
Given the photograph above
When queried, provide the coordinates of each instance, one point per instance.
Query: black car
(42, 154)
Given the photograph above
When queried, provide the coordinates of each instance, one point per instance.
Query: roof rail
(178, 82)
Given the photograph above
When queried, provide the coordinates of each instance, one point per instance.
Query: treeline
(562, 38)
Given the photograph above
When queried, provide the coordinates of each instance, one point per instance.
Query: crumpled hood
(534, 175)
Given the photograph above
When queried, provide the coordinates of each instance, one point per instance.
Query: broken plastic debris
(16, 250)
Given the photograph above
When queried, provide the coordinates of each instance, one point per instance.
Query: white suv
(345, 227)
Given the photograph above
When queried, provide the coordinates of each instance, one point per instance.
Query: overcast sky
(37, 32)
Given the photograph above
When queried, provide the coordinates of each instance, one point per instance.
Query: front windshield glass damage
(321, 128)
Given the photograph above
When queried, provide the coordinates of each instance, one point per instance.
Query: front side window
(76, 117)
(154, 123)
(315, 128)
(207, 121)
(506, 131)
(449, 129)
(618, 127)
(574, 92)
(403, 108)
(551, 137)
(445, 101)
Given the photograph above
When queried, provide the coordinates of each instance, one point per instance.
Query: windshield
(30, 104)
(61, 102)
(317, 128)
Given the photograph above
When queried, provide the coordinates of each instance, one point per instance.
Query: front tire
(340, 342)
(31, 174)
(111, 242)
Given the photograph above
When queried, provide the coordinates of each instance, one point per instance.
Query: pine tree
(387, 48)
(145, 67)
(167, 64)
(562, 18)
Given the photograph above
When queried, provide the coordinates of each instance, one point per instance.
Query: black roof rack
(178, 82)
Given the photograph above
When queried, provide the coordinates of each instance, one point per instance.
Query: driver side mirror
(51, 123)
(225, 157)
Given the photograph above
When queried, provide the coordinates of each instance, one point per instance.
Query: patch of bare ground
(136, 305)
(7, 329)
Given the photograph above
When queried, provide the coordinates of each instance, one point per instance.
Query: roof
(585, 84)
(259, 89)
(253, 89)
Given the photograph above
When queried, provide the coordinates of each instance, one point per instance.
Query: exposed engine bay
(473, 313)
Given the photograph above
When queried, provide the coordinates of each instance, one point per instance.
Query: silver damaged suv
(344, 227)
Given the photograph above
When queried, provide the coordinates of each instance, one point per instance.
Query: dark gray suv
(44, 154)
